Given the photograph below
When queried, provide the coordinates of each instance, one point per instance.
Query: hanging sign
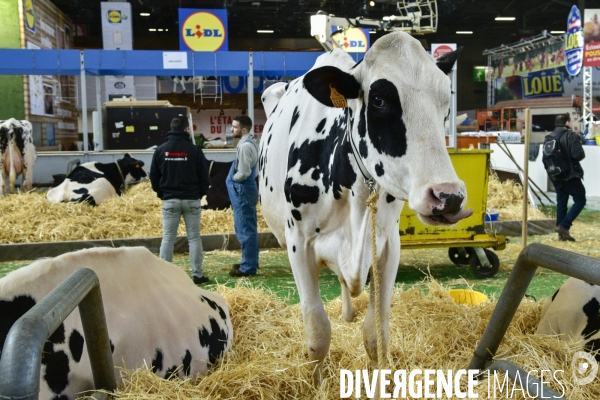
(439, 49)
(574, 42)
(352, 40)
(542, 84)
(591, 36)
(203, 30)
(29, 16)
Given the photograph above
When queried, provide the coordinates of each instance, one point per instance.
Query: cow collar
(121, 173)
(369, 181)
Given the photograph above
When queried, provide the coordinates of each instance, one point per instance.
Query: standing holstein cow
(574, 313)
(96, 182)
(155, 316)
(312, 188)
(17, 155)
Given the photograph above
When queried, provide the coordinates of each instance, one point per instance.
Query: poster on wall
(591, 37)
(116, 26)
(29, 17)
(36, 94)
(214, 126)
(203, 30)
(48, 99)
(50, 134)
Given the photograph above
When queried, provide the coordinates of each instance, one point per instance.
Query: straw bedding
(427, 331)
(29, 217)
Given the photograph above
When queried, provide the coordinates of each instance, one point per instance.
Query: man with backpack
(562, 153)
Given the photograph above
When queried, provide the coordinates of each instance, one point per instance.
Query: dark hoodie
(179, 169)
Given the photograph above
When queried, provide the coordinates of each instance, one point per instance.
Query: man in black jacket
(571, 184)
(179, 176)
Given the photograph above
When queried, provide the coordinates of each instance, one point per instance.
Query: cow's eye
(378, 102)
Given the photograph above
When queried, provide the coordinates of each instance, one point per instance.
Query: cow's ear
(322, 82)
(126, 155)
(446, 61)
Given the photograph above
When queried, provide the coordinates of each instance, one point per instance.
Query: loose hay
(30, 217)
(427, 331)
(507, 198)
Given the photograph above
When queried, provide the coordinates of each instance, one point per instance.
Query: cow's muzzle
(446, 206)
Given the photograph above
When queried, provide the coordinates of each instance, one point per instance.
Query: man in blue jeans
(571, 185)
(243, 193)
(179, 176)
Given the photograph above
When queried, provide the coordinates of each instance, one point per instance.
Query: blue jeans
(243, 196)
(573, 187)
(172, 211)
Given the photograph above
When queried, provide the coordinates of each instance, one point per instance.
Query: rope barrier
(372, 204)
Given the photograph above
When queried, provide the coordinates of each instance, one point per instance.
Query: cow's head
(401, 100)
(135, 171)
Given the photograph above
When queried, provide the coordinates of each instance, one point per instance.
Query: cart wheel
(460, 255)
(482, 272)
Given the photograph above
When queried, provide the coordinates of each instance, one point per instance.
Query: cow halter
(368, 178)
(372, 204)
(121, 173)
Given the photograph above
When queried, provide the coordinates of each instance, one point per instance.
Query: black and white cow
(574, 313)
(312, 189)
(217, 197)
(155, 316)
(96, 182)
(17, 155)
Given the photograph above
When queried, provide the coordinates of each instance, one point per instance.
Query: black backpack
(555, 158)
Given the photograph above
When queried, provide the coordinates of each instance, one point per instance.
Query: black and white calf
(96, 182)
(390, 126)
(155, 316)
(574, 313)
(17, 155)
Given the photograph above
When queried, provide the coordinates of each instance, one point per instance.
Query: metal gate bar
(21, 356)
(536, 254)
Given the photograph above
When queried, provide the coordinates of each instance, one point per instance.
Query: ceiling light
(464, 32)
(372, 3)
(144, 14)
(372, 31)
(152, 29)
(264, 31)
(160, 29)
(557, 32)
(505, 18)
(166, 30)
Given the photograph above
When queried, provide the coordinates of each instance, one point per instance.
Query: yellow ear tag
(338, 100)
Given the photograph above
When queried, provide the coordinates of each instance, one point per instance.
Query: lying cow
(314, 158)
(155, 315)
(573, 312)
(17, 155)
(96, 182)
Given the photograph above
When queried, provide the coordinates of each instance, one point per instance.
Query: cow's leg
(2, 180)
(317, 328)
(347, 310)
(388, 267)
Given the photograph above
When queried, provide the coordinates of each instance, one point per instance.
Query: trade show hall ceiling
(290, 18)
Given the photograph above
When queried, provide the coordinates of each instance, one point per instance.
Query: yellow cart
(467, 241)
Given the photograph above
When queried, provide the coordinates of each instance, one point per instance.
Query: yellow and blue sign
(543, 84)
(114, 16)
(203, 30)
(574, 42)
(29, 16)
(352, 40)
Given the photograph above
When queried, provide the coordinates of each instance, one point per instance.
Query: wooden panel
(53, 30)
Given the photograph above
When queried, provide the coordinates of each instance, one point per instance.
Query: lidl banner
(203, 29)
(353, 40)
(591, 38)
(574, 42)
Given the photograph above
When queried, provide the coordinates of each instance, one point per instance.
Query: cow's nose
(446, 199)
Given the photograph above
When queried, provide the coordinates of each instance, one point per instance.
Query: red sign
(441, 50)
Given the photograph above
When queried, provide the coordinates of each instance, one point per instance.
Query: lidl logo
(114, 16)
(29, 15)
(203, 30)
(353, 40)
